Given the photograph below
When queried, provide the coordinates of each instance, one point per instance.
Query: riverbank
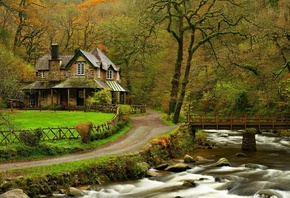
(263, 173)
(117, 168)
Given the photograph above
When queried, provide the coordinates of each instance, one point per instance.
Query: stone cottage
(68, 80)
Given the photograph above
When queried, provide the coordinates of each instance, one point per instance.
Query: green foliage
(274, 3)
(125, 109)
(241, 103)
(181, 119)
(200, 137)
(101, 97)
(14, 70)
(31, 138)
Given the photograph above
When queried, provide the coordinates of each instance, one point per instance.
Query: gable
(106, 62)
(89, 58)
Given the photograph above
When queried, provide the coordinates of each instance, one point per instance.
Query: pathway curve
(144, 128)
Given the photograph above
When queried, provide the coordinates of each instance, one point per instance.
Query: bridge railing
(238, 121)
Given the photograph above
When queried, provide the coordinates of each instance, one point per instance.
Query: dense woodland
(212, 55)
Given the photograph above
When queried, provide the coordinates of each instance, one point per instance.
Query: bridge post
(249, 140)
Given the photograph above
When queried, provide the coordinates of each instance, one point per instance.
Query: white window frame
(80, 68)
(42, 74)
(110, 74)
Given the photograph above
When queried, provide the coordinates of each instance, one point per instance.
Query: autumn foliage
(84, 130)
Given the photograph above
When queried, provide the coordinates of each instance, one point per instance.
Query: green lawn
(44, 119)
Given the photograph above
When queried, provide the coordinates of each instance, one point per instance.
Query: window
(80, 94)
(42, 74)
(80, 68)
(110, 74)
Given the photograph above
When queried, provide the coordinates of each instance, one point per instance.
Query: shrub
(31, 138)
(200, 137)
(101, 97)
(84, 130)
(125, 109)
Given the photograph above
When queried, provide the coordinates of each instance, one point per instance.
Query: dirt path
(144, 128)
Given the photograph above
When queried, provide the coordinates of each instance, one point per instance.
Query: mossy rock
(222, 162)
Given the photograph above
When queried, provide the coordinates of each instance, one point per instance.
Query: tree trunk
(176, 79)
(177, 68)
(185, 81)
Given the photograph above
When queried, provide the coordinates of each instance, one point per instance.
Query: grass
(69, 166)
(43, 119)
(55, 168)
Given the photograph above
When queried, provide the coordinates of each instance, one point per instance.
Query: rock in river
(188, 159)
(222, 162)
(178, 167)
(15, 193)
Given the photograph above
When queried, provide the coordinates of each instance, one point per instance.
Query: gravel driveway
(144, 128)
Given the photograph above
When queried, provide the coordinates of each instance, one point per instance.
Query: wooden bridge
(237, 122)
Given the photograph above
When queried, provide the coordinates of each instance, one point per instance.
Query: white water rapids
(271, 175)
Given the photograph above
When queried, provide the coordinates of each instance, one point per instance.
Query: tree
(14, 71)
(132, 42)
(194, 24)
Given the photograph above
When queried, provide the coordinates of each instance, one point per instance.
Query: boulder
(267, 193)
(241, 155)
(178, 167)
(255, 166)
(74, 192)
(189, 183)
(188, 159)
(15, 193)
(219, 180)
(152, 173)
(200, 159)
(222, 162)
(161, 166)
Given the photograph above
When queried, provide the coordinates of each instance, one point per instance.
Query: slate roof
(78, 83)
(41, 85)
(43, 62)
(106, 62)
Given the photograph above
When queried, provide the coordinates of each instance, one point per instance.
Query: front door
(33, 100)
(80, 97)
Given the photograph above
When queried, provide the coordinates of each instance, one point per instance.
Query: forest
(217, 56)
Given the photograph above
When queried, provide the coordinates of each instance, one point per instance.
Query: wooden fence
(59, 133)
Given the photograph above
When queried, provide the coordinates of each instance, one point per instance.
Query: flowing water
(271, 174)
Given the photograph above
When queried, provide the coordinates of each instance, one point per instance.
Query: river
(272, 173)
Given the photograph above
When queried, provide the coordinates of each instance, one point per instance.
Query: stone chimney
(54, 52)
(54, 64)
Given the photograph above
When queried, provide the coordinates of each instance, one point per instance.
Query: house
(68, 80)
